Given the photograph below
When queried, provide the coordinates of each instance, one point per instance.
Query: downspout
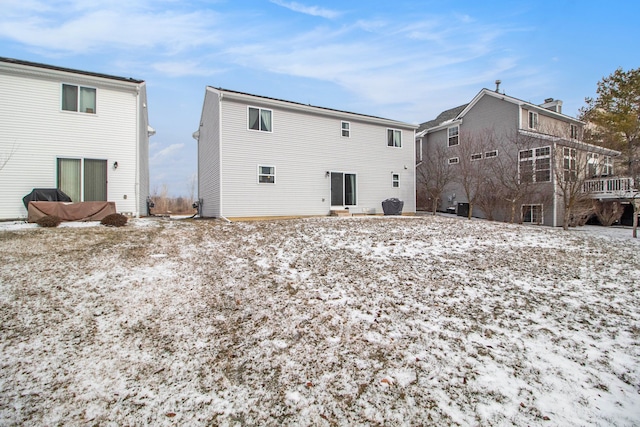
(137, 181)
(555, 183)
(220, 96)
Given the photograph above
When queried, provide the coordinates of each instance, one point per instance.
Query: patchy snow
(332, 321)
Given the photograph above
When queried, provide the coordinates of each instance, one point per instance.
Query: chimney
(498, 86)
(552, 104)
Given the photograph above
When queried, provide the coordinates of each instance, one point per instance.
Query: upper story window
(490, 154)
(570, 163)
(607, 166)
(78, 98)
(454, 160)
(533, 120)
(266, 174)
(476, 156)
(573, 131)
(260, 119)
(453, 133)
(592, 164)
(418, 150)
(346, 129)
(535, 165)
(394, 138)
(395, 180)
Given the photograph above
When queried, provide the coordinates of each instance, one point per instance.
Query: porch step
(341, 212)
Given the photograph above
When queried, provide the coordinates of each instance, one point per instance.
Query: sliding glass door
(343, 189)
(90, 182)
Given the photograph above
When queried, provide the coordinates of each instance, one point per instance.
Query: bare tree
(434, 175)
(473, 174)
(608, 212)
(571, 167)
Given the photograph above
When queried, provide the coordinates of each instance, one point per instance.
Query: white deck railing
(608, 186)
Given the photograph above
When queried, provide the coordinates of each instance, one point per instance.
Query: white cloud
(165, 152)
(308, 10)
(86, 31)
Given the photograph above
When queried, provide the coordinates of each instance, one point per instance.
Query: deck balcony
(610, 188)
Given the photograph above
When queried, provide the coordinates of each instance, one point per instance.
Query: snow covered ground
(331, 321)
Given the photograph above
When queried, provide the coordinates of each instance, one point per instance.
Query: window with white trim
(573, 131)
(592, 165)
(394, 138)
(395, 180)
(454, 160)
(266, 174)
(454, 135)
(346, 129)
(607, 166)
(260, 119)
(476, 156)
(569, 163)
(535, 165)
(490, 154)
(533, 120)
(532, 214)
(78, 98)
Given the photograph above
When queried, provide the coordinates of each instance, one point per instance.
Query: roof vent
(498, 86)
(548, 100)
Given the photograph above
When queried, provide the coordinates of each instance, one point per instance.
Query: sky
(402, 60)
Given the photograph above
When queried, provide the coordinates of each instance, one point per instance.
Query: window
(260, 119)
(532, 214)
(573, 131)
(607, 166)
(533, 120)
(394, 138)
(418, 150)
(83, 179)
(569, 164)
(592, 164)
(454, 161)
(346, 129)
(395, 180)
(490, 154)
(476, 156)
(78, 98)
(535, 165)
(453, 133)
(266, 174)
(343, 189)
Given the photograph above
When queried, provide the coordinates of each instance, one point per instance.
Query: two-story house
(509, 159)
(84, 133)
(264, 157)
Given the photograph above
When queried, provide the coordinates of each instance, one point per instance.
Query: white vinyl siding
(305, 149)
(32, 123)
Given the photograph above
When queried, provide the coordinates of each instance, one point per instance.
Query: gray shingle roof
(442, 117)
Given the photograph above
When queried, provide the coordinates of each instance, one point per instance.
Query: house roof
(298, 105)
(68, 70)
(458, 112)
(443, 117)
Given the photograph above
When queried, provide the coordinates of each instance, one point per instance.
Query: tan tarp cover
(83, 211)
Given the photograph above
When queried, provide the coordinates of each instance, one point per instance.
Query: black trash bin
(392, 206)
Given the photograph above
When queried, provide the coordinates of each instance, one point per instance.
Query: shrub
(114, 220)
(49, 221)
